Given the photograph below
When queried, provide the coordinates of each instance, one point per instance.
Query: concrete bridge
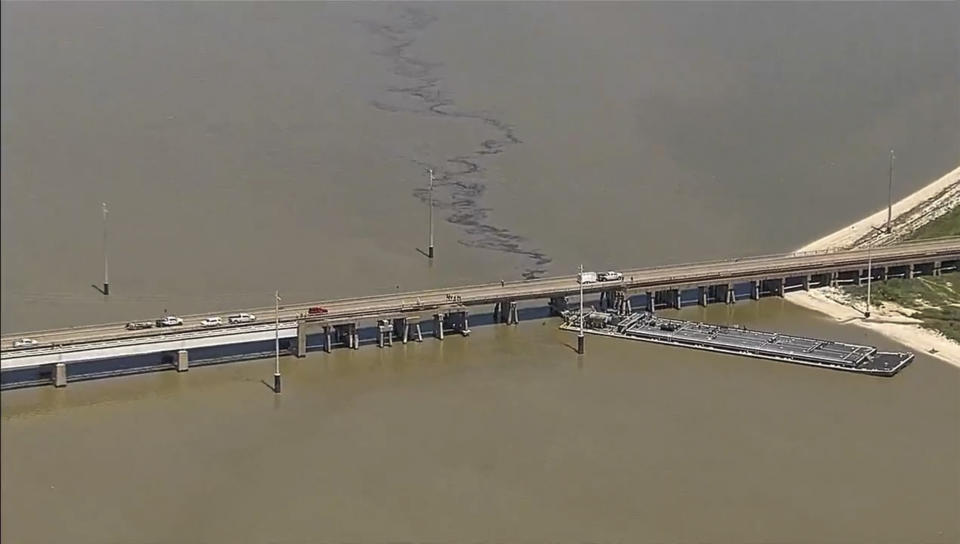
(398, 317)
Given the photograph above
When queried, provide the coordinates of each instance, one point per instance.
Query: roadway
(638, 279)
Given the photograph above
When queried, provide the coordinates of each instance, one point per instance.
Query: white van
(587, 277)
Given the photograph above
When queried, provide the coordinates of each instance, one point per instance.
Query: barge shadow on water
(738, 340)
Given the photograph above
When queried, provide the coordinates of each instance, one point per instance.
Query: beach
(889, 319)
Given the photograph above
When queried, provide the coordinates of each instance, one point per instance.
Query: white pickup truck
(611, 275)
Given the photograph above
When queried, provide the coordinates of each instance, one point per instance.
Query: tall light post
(866, 314)
(890, 194)
(276, 373)
(430, 247)
(106, 276)
(580, 334)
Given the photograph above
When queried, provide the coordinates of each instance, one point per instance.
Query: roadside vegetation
(946, 225)
(935, 300)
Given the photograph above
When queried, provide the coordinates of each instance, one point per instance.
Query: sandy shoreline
(909, 214)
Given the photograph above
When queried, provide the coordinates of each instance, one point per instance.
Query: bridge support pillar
(731, 295)
(937, 267)
(465, 323)
(355, 335)
(806, 282)
(702, 295)
(677, 298)
(558, 305)
(834, 279)
(438, 326)
(301, 339)
(183, 361)
(755, 290)
(327, 339)
(910, 272)
(509, 313)
(384, 333)
(419, 332)
(780, 286)
(497, 312)
(884, 273)
(60, 375)
(651, 302)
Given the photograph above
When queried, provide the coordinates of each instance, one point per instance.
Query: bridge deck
(639, 279)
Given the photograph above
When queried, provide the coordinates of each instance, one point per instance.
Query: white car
(242, 318)
(215, 321)
(169, 321)
(24, 343)
(611, 275)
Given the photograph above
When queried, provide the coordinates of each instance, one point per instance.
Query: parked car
(242, 318)
(317, 310)
(611, 275)
(24, 343)
(169, 321)
(139, 325)
(214, 321)
(587, 277)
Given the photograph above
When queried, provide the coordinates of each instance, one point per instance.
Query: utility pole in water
(430, 247)
(580, 334)
(106, 276)
(890, 194)
(276, 373)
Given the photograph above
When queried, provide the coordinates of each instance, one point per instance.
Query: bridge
(398, 316)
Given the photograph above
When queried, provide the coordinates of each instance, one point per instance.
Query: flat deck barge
(737, 340)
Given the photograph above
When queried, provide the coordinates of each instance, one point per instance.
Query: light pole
(106, 276)
(430, 247)
(580, 334)
(890, 194)
(276, 373)
(866, 314)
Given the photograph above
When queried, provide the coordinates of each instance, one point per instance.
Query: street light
(276, 373)
(866, 314)
(106, 277)
(580, 334)
(430, 247)
(890, 194)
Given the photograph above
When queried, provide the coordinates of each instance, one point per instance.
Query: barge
(738, 340)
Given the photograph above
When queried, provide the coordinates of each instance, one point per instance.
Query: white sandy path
(909, 214)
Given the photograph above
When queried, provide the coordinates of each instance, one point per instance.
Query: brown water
(248, 147)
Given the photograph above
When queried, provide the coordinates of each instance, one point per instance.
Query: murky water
(250, 147)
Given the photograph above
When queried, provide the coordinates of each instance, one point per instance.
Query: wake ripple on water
(459, 185)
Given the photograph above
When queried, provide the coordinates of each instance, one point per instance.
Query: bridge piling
(438, 326)
(301, 349)
(60, 375)
(183, 361)
(702, 296)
